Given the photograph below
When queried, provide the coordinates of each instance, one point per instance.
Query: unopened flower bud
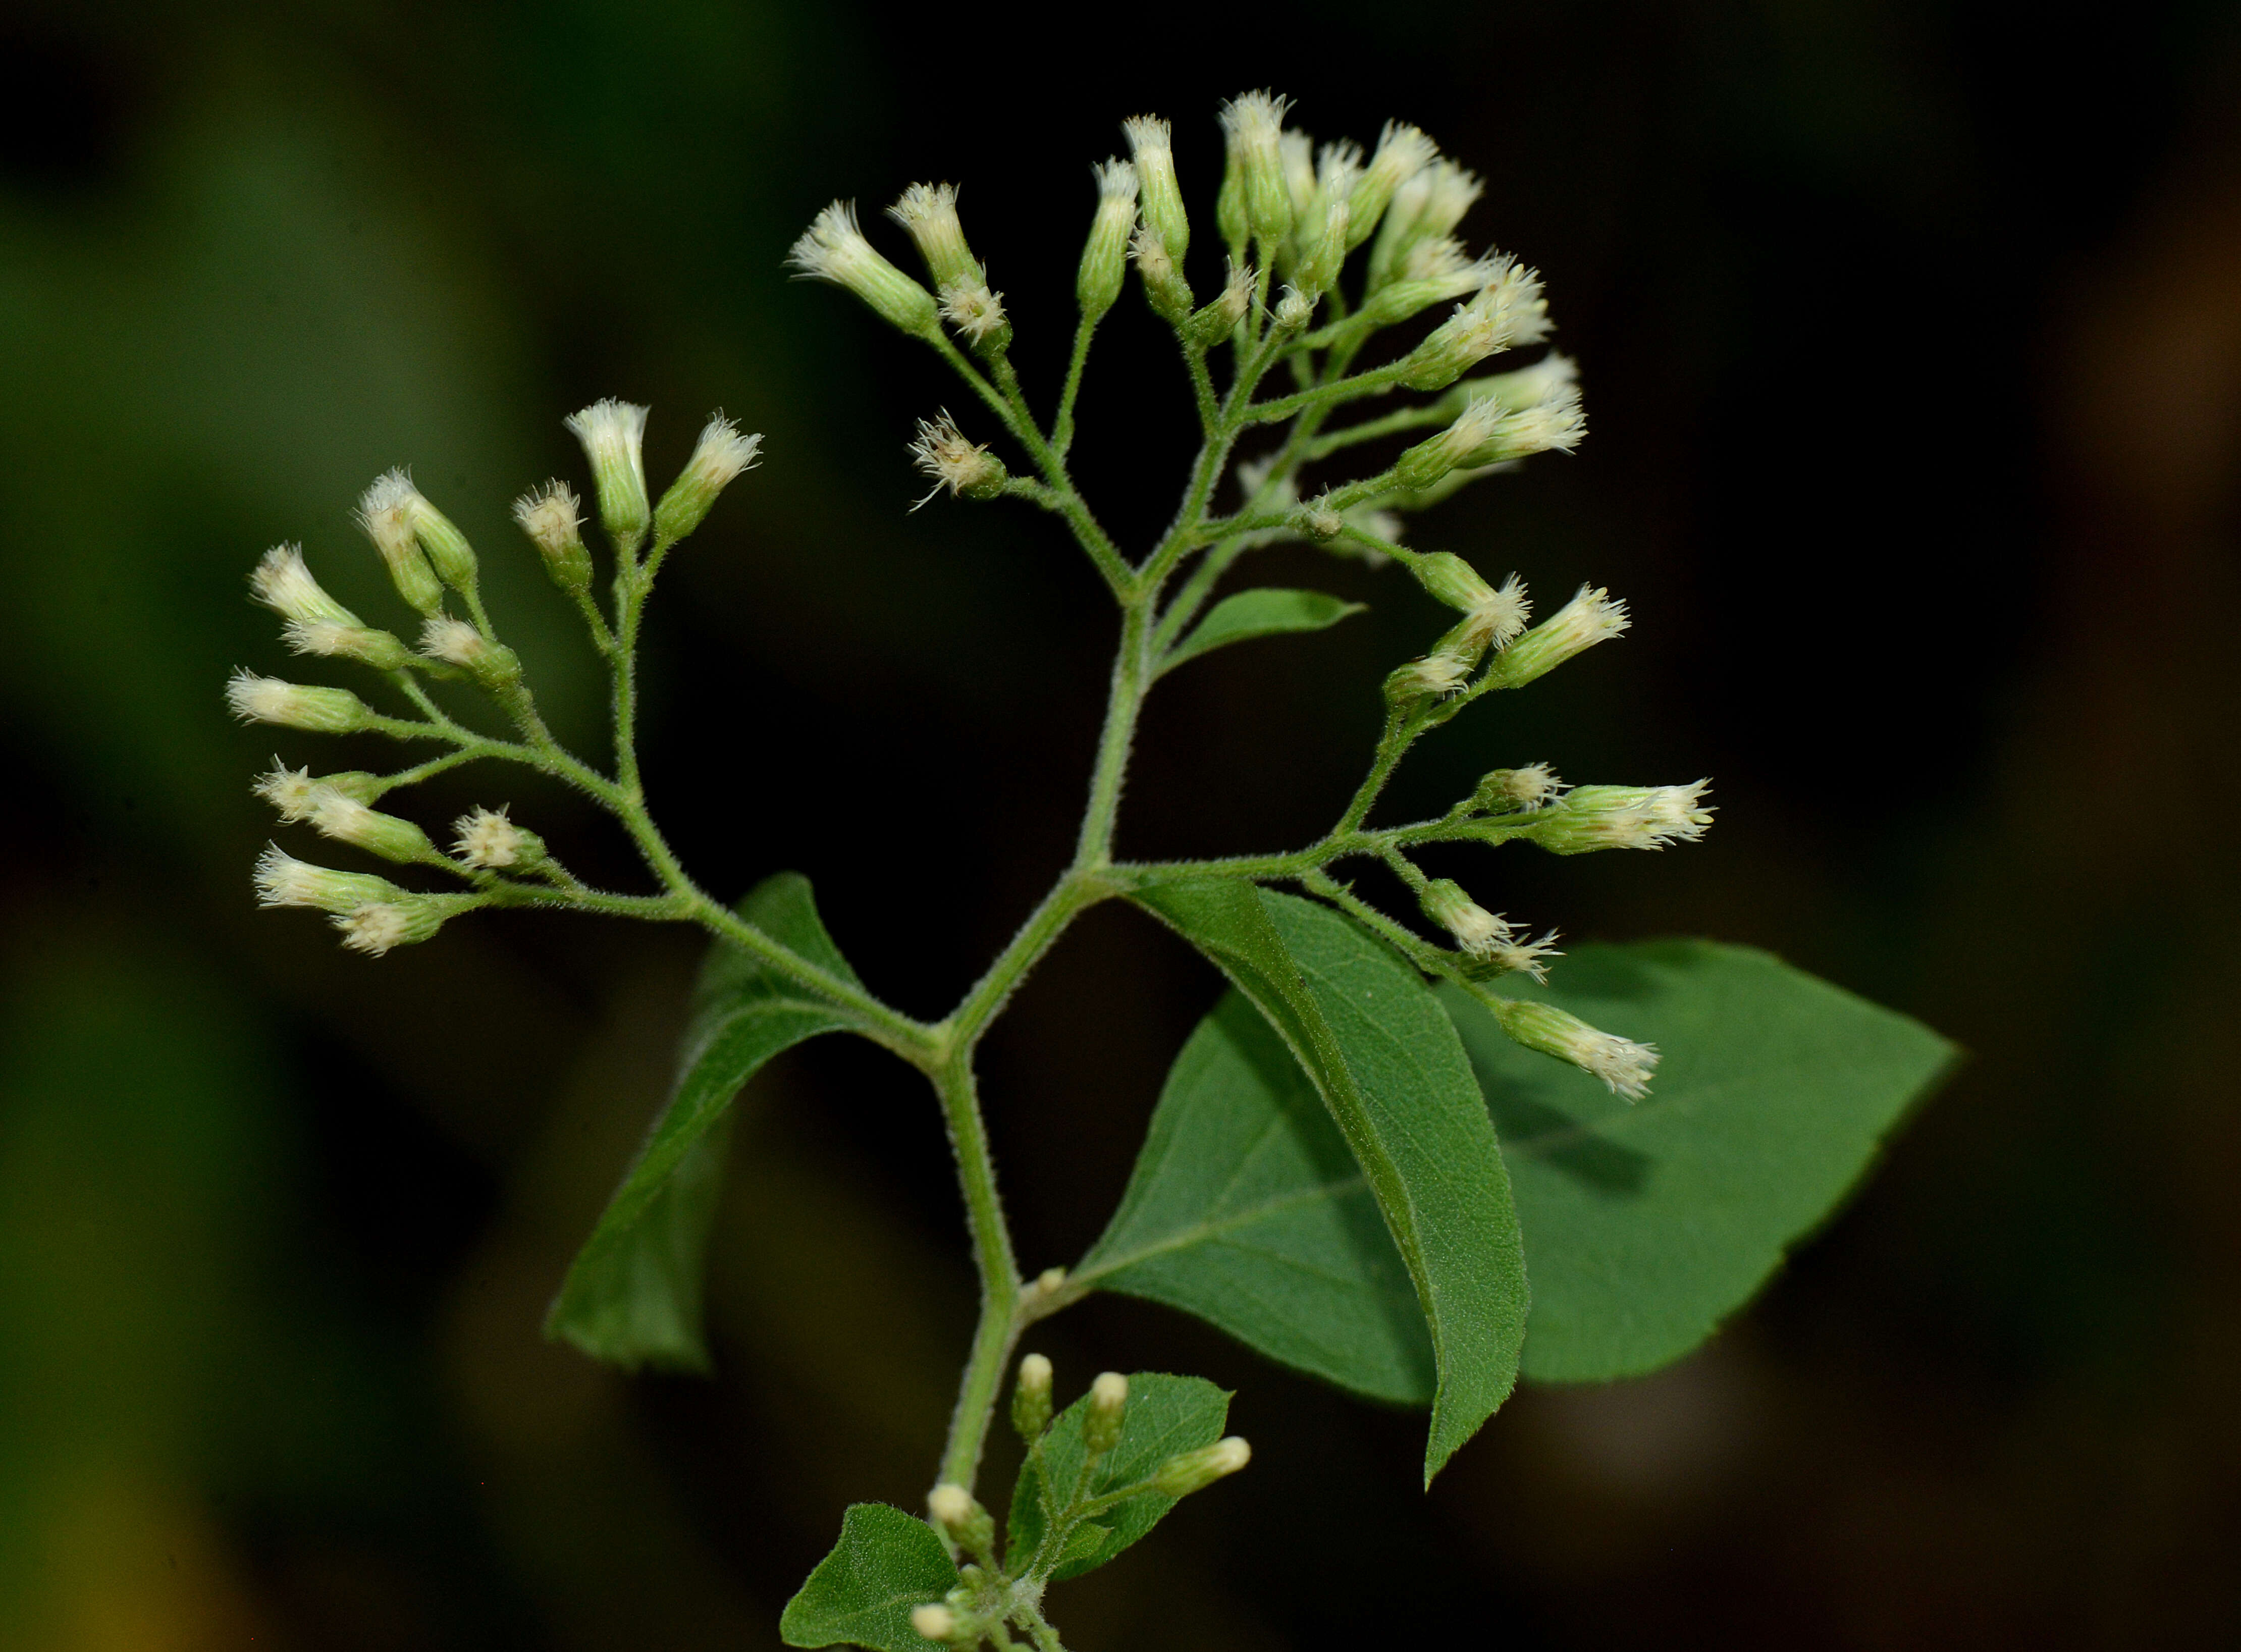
(718, 458)
(1624, 1065)
(1625, 817)
(1555, 423)
(613, 436)
(1190, 1471)
(1402, 152)
(1230, 215)
(1104, 256)
(1320, 233)
(1031, 1398)
(929, 212)
(456, 642)
(445, 547)
(485, 840)
(1437, 675)
(1108, 1400)
(1253, 124)
(1296, 154)
(268, 700)
(1477, 931)
(944, 454)
(1448, 577)
(962, 1517)
(934, 1620)
(1501, 791)
(553, 518)
(1522, 387)
(1164, 285)
(378, 649)
(380, 925)
(282, 583)
(1149, 141)
(385, 512)
(283, 881)
(833, 248)
(342, 817)
(1591, 617)
(1427, 461)
(1496, 621)
(1425, 206)
(1219, 319)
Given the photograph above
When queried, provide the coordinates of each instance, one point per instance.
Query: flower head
(833, 248)
(942, 453)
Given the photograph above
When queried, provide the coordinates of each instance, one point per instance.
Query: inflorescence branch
(1290, 221)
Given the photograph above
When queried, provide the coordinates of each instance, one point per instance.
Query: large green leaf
(1165, 1414)
(1264, 611)
(862, 1593)
(633, 1295)
(1388, 1065)
(1247, 1209)
(1646, 1226)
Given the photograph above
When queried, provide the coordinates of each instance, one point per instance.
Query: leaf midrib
(1202, 1231)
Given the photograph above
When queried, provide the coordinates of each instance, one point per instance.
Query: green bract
(1366, 1163)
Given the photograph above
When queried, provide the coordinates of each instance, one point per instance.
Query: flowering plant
(1364, 1153)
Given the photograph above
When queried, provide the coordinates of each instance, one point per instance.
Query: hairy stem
(999, 1326)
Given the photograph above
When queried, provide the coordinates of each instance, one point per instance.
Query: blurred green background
(1911, 336)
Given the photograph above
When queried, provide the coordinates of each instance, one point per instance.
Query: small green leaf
(1165, 1415)
(862, 1593)
(1388, 1065)
(1646, 1226)
(1081, 1542)
(633, 1295)
(1261, 612)
(1247, 1209)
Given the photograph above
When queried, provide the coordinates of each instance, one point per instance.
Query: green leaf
(1392, 1072)
(862, 1593)
(1646, 1226)
(1165, 1414)
(1247, 1209)
(633, 1295)
(1261, 612)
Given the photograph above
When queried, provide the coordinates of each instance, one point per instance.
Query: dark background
(1912, 336)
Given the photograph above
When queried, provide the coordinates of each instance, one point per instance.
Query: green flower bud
(1108, 1400)
(1624, 817)
(1105, 256)
(1624, 1065)
(283, 881)
(1590, 618)
(1254, 124)
(929, 211)
(1031, 1398)
(322, 711)
(385, 512)
(1191, 1471)
(833, 248)
(1149, 141)
(1402, 152)
(552, 517)
(613, 436)
(718, 458)
(340, 816)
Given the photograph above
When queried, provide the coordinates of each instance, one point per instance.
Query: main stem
(999, 1270)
